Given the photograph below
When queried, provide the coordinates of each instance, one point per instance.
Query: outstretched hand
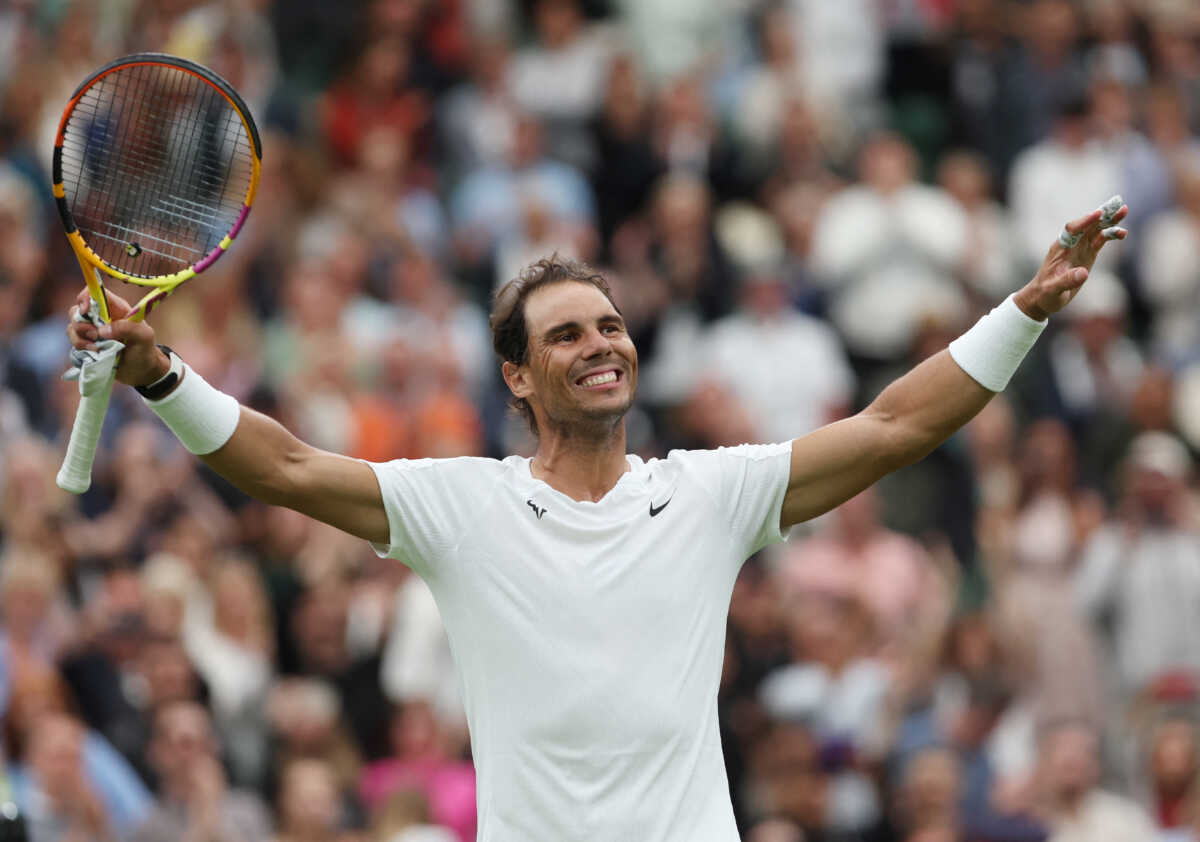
(141, 360)
(1070, 259)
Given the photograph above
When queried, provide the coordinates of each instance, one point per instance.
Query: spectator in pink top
(420, 762)
(892, 574)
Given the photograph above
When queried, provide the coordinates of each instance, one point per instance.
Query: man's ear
(517, 378)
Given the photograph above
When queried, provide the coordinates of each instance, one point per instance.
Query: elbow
(287, 481)
(901, 442)
(281, 483)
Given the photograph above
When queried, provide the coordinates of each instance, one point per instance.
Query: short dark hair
(510, 337)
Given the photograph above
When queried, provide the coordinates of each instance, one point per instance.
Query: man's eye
(566, 337)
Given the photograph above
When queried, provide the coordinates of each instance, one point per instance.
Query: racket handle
(75, 475)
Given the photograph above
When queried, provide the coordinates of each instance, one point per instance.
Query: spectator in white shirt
(1070, 168)
(765, 326)
(887, 247)
(1075, 808)
(1140, 573)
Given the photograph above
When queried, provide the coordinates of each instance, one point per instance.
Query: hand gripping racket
(156, 163)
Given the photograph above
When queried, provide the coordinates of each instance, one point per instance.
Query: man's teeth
(599, 379)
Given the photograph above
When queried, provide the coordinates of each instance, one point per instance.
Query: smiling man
(585, 590)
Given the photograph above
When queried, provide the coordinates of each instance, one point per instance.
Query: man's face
(182, 735)
(56, 752)
(582, 367)
(1070, 757)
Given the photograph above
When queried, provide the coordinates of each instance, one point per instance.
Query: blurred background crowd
(795, 200)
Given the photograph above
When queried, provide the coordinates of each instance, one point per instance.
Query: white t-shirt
(589, 636)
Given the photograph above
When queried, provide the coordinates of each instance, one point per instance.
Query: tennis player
(584, 590)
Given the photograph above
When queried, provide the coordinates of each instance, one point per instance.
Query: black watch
(163, 385)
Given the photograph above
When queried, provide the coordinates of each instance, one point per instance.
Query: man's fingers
(1107, 235)
(84, 335)
(1067, 280)
(1081, 225)
(1102, 218)
(1110, 209)
(123, 330)
(80, 331)
(118, 307)
(1074, 231)
(79, 341)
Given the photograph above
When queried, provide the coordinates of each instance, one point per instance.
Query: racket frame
(89, 260)
(75, 474)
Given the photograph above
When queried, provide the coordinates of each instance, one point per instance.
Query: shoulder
(723, 465)
(462, 476)
(454, 467)
(734, 453)
(1116, 811)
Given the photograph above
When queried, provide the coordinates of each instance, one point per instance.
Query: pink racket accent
(237, 226)
(154, 299)
(209, 258)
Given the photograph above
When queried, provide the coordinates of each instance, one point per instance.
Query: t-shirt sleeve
(748, 484)
(425, 500)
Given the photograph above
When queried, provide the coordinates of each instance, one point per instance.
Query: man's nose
(596, 344)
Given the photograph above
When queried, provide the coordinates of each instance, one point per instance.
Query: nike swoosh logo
(654, 511)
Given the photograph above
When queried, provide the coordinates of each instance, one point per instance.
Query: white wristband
(201, 416)
(991, 351)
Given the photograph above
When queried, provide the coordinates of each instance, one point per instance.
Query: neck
(584, 465)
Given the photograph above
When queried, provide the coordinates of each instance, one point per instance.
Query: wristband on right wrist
(201, 416)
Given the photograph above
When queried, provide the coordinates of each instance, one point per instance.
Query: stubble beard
(581, 423)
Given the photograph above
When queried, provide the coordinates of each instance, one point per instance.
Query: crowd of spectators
(795, 201)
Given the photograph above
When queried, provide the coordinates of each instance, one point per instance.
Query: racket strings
(180, 173)
(156, 165)
(189, 119)
(152, 161)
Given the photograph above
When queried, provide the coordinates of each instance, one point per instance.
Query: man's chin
(615, 411)
(593, 413)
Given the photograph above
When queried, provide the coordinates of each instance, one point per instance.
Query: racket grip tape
(75, 475)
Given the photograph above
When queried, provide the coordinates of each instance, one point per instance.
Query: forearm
(270, 464)
(925, 406)
(261, 458)
(910, 417)
(250, 450)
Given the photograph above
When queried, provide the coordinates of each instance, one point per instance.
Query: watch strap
(163, 385)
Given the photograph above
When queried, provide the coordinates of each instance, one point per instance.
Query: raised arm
(267, 462)
(923, 408)
(261, 457)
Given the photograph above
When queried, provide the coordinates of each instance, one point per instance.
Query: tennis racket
(156, 164)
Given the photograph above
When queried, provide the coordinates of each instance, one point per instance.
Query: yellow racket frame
(93, 264)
